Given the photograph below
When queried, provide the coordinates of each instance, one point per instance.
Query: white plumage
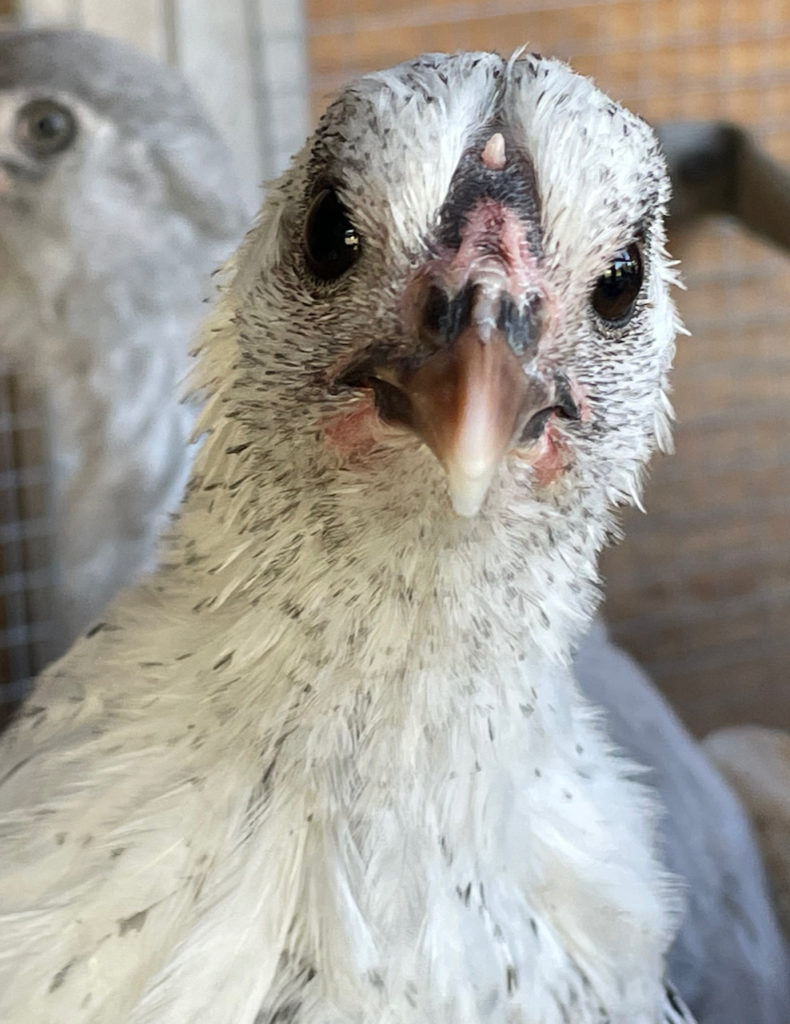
(330, 765)
(117, 201)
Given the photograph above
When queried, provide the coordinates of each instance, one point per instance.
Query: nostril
(444, 318)
(435, 311)
(460, 310)
(480, 303)
(508, 315)
(521, 326)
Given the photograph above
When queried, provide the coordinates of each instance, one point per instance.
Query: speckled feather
(106, 250)
(330, 764)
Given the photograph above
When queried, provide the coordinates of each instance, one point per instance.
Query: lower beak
(469, 403)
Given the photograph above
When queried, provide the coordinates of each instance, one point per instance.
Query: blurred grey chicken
(117, 201)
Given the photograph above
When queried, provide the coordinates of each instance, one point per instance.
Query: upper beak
(470, 403)
(470, 399)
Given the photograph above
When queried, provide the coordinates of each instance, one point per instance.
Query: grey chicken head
(105, 162)
(460, 284)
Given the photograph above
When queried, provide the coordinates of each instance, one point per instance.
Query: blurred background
(699, 591)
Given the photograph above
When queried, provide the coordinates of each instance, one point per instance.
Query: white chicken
(330, 763)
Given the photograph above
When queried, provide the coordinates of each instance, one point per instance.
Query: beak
(470, 402)
(471, 399)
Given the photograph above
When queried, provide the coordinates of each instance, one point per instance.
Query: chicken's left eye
(616, 290)
(331, 242)
(45, 127)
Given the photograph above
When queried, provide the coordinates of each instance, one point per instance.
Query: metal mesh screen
(700, 589)
(25, 551)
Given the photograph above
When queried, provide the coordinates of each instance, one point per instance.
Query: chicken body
(330, 764)
(117, 201)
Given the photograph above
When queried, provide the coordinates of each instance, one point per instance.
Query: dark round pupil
(616, 291)
(331, 242)
(49, 126)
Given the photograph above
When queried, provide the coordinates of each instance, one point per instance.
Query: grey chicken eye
(331, 242)
(616, 290)
(45, 127)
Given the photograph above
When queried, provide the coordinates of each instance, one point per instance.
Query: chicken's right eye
(616, 291)
(331, 242)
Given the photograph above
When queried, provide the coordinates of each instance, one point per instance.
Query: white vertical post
(48, 12)
(140, 23)
(283, 79)
(212, 46)
(245, 59)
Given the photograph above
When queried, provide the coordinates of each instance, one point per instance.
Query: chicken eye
(616, 290)
(44, 127)
(331, 242)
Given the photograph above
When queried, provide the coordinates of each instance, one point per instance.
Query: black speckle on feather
(60, 977)
(133, 923)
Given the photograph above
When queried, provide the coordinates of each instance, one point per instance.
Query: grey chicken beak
(475, 396)
(470, 402)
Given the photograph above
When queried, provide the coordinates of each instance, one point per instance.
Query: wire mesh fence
(25, 535)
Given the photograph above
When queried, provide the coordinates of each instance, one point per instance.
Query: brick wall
(700, 589)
